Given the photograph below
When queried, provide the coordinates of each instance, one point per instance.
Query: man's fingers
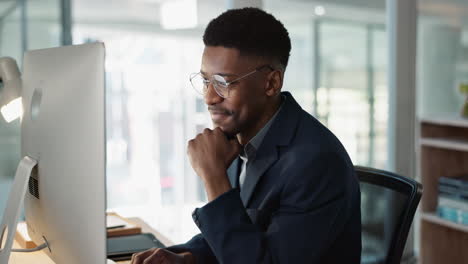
(138, 258)
(220, 133)
(218, 130)
(156, 258)
(190, 145)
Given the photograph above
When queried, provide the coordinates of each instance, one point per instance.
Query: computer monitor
(63, 129)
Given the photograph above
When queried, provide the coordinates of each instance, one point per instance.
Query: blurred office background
(337, 72)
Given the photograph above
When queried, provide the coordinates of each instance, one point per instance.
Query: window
(352, 94)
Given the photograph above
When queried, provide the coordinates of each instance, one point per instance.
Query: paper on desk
(113, 221)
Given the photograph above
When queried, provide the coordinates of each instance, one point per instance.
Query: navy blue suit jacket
(300, 202)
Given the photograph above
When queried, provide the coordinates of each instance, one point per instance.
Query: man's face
(245, 105)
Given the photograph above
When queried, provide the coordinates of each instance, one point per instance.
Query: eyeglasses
(220, 85)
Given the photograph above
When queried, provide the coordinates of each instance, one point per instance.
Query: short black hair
(252, 31)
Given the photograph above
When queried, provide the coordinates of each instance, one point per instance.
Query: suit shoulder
(312, 137)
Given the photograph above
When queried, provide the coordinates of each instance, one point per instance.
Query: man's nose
(211, 96)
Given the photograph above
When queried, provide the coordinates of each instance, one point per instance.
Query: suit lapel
(280, 133)
(260, 164)
(233, 172)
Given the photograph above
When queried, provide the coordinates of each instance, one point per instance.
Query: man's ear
(274, 83)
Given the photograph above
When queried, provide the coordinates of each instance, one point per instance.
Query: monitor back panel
(63, 128)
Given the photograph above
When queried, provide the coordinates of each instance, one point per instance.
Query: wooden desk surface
(41, 258)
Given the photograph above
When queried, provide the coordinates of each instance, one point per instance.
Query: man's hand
(210, 155)
(162, 256)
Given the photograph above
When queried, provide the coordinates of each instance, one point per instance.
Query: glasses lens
(220, 86)
(198, 83)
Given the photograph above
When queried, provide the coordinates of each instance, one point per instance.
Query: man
(281, 188)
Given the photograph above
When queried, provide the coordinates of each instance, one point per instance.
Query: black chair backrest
(388, 205)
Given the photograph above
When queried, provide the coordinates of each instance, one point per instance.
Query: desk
(41, 258)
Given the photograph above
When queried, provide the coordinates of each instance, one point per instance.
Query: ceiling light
(319, 10)
(179, 14)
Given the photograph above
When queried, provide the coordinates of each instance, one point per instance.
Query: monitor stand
(13, 209)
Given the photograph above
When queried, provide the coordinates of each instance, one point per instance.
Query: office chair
(388, 204)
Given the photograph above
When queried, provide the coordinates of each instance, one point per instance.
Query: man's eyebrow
(220, 74)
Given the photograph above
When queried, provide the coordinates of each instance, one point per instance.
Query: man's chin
(230, 133)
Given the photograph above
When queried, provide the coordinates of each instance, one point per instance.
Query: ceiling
(146, 12)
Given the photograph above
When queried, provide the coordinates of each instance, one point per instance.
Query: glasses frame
(216, 80)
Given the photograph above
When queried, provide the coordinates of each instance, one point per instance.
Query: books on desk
(120, 226)
(453, 199)
(116, 226)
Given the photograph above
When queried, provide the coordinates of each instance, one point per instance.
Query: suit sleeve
(199, 249)
(313, 210)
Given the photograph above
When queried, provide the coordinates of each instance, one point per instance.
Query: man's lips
(217, 115)
(218, 111)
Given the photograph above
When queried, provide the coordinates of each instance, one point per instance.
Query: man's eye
(222, 84)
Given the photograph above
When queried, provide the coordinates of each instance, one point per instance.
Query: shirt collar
(250, 149)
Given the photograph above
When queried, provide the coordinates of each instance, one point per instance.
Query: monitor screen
(63, 129)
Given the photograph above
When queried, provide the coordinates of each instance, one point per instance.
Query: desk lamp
(10, 98)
